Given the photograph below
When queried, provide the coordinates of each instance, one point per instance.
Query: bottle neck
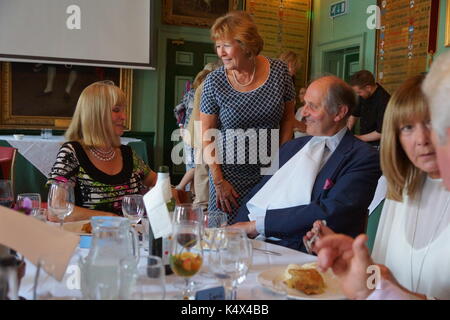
(162, 176)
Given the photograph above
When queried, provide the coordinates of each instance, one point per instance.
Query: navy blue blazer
(353, 168)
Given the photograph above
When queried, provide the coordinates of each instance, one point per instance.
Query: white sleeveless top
(413, 240)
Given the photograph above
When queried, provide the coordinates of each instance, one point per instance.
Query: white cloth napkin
(292, 184)
(155, 204)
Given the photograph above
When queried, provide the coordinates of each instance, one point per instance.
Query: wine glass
(211, 221)
(61, 200)
(186, 255)
(230, 257)
(29, 203)
(6, 193)
(133, 207)
(145, 233)
(46, 285)
(150, 281)
(187, 212)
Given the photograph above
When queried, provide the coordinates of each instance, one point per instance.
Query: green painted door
(351, 65)
(184, 60)
(342, 63)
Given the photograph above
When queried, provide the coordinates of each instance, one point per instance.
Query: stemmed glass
(29, 203)
(211, 221)
(133, 207)
(186, 255)
(6, 193)
(150, 280)
(61, 200)
(230, 257)
(187, 212)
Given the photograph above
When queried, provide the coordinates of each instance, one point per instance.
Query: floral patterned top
(95, 189)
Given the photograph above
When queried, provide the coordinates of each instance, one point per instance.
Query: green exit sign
(338, 9)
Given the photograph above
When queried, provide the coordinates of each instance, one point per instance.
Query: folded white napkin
(292, 184)
(155, 204)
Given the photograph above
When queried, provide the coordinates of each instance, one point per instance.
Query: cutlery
(310, 243)
(268, 251)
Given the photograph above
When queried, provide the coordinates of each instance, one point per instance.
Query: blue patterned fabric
(261, 108)
(188, 151)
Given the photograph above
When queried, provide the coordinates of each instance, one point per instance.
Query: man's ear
(342, 112)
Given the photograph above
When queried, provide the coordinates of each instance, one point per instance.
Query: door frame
(164, 34)
(341, 44)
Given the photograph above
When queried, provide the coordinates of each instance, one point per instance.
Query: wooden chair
(181, 196)
(7, 162)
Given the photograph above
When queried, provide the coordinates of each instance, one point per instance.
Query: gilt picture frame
(34, 95)
(197, 13)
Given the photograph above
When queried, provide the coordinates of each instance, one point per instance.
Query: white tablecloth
(250, 289)
(42, 152)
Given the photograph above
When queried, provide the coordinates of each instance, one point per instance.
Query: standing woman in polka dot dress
(249, 94)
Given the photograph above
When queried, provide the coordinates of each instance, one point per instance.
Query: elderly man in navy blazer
(343, 175)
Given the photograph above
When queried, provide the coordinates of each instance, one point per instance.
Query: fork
(310, 243)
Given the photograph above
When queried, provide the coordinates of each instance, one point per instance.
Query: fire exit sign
(338, 9)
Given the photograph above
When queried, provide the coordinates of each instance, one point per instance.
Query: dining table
(36, 156)
(266, 257)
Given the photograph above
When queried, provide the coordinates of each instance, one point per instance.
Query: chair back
(372, 225)
(182, 196)
(7, 162)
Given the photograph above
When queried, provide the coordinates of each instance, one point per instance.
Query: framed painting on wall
(34, 95)
(199, 13)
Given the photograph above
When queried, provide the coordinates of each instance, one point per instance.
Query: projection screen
(113, 33)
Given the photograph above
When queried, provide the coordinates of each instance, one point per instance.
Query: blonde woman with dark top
(101, 168)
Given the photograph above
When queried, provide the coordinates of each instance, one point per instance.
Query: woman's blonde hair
(238, 25)
(207, 69)
(406, 105)
(290, 58)
(91, 124)
(200, 77)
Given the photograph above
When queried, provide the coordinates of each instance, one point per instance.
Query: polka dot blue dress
(252, 112)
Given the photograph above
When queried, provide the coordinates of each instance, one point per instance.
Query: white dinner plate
(272, 279)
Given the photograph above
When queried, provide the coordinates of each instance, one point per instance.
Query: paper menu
(36, 240)
(155, 204)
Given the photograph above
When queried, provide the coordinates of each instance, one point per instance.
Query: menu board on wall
(402, 41)
(284, 25)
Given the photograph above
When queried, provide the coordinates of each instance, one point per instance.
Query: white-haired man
(437, 89)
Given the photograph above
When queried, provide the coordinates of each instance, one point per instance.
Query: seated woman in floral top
(102, 169)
